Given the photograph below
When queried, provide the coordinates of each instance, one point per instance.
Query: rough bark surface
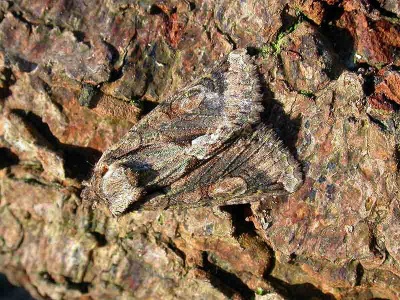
(76, 75)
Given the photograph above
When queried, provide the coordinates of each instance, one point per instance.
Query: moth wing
(203, 116)
(212, 110)
(251, 167)
(193, 124)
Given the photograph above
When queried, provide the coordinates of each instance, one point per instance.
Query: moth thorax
(119, 186)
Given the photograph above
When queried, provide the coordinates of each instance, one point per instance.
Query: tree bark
(77, 75)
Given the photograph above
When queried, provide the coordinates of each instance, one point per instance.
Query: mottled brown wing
(216, 108)
(204, 115)
(251, 167)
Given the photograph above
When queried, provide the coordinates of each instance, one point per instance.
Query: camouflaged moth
(205, 145)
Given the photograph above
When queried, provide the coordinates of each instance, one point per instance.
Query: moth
(205, 145)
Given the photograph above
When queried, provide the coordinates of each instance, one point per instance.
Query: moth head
(119, 187)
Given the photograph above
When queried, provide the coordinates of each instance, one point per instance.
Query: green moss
(88, 92)
(135, 102)
(32, 165)
(31, 181)
(161, 219)
(394, 19)
(308, 94)
(260, 291)
(130, 235)
(275, 47)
